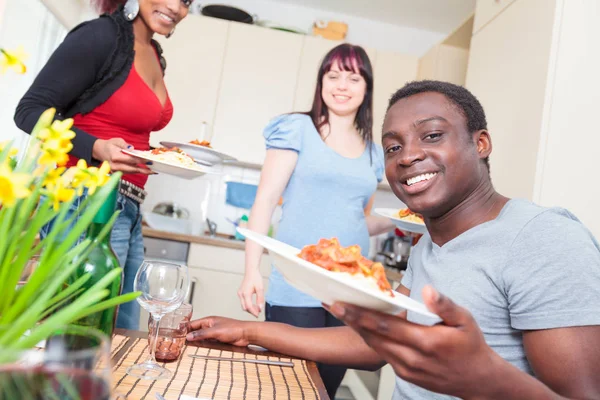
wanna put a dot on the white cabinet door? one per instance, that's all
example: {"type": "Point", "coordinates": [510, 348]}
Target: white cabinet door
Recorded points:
{"type": "Point", "coordinates": [258, 82]}
{"type": "Point", "coordinates": [508, 69]}
{"type": "Point", "coordinates": [194, 56]}
{"type": "Point", "coordinates": [216, 274]}
{"type": "Point", "coordinates": [444, 63]}
{"type": "Point", "coordinates": [486, 10]}
{"type": "Point", "coordinates": [313, 52]}
{"type": "Point", "coordinates": [215, 293]}
{"type": "Point", "coordinates": [392, 71]}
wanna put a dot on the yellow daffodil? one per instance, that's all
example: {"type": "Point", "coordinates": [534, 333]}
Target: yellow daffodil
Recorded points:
{"type": "Point", "coordinates": [90, 177]}
{"type": "Point", "coordinates": [58, 130]}
{"type": "Point", "coordinates": [98, 177]}
{"type": "Point", "coordinates": [14, 60]}
{"type": "Point", "coordinates": [52, 156]}
{"type": "Point", "coordinates": [52, 178]}
{"type": "Point", "coordinates": [13, 186]}
{"type": "Point", "coordinates": [47, 117]}
{"type": "Point", "coordinates": [60, 193]}
{"type": "Point", "coordinates": [56, 142]}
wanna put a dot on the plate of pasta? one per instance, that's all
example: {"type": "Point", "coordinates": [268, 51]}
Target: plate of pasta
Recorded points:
{"type": "Point", "coordinates": [330, 273]}
{"type": "Point", "coordinates": [404, 218]}
{"type": "Point", "coordinates": [171, 161]}
{"type": "Point", "coordinates": [201, 151]}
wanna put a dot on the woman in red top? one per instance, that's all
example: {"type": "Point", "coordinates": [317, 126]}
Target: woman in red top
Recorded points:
{"type": "Point", "coordinates": [108, 76]}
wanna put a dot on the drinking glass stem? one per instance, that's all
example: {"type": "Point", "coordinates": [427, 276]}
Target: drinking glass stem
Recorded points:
{"type": "Point", "coordinates": [152, 358]}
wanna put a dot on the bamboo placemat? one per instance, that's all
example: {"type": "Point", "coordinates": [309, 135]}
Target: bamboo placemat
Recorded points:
{"type": "Point", "coordinates": [216, 380]}
{"type": "Point", "coordinates": [118, 342]}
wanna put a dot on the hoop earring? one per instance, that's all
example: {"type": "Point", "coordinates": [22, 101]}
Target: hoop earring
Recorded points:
{"type": "Point", "coordinates": [131, 9]}
{"type": "Point", "coordinates": [170, 33]}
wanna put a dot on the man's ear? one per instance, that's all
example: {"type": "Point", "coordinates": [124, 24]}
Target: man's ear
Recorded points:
{"type": "Point", "coordinates": [483, 140]}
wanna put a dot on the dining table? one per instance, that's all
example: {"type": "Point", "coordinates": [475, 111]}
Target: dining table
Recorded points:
{"type": "Point", "coordinates": [208, 370]}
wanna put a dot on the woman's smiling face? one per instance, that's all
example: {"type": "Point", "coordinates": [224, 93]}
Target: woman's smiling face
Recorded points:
{"type": "Point", "coordinates": [161, 16]}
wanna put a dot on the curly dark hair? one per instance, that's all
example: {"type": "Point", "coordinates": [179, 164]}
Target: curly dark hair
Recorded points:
{"type": "Point", "coordinates": [464, 101]}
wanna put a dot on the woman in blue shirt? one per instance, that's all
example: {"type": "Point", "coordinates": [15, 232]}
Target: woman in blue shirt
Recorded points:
{"type": "Point", "coordinates": [326, 166]}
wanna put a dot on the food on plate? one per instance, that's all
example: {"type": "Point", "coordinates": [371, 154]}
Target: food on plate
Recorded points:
{"type": "Point", "coordinates": [330, 255]}
{"type": "Point", "coordinates": [172, 155]}
{"type": "Point", "coordinates": [201, 143]}
{"type": "Point", "coordinates": [406, 215]}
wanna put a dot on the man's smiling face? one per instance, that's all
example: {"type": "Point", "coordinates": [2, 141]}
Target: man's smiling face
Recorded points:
{"type": "Point", "coordinates": [432, 161]}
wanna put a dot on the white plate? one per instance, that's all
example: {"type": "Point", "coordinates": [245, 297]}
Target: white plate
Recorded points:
{"type": "Point", "coordinates": [392, 213]}
{"type": "Point", "coordinates": [171, 169]}
{"type": "Point", "coordinates": [201, 153]}
{"type": "Point", "coordinates": [329, 287]}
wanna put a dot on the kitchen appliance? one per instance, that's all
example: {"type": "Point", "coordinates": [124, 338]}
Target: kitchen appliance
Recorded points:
{"type": "Point", "coordinates": [394, 250]}
{"type": "Point", "coordinates": [172, 210]}
{"type": "Point", "coordinates": [169, 217]}
{"type": "Point", "coordinates": [228, 13]}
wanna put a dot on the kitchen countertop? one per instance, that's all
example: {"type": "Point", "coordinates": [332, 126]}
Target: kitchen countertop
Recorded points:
{"type": "Point", "coordinates": [200, 239]}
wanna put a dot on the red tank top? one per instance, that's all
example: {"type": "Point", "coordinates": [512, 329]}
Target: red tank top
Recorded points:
{"type": "Point", "coordinates": [131, 113]}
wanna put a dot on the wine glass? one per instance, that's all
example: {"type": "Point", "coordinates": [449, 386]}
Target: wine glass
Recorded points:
{"type": "Point", "coordinates": [164, 286]}
{"type": "Point", "coordinates": [74, 365]}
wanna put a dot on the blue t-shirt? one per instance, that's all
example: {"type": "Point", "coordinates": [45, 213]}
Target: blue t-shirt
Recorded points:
{"type": "Point", "coordinates": [324, 198]}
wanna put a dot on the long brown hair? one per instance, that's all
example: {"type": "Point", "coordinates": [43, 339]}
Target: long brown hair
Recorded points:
{"type": "Point", "coordinates": [348, 57]}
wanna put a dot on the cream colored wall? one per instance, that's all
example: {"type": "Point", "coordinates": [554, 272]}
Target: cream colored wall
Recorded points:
{"type": "Point", "coordinates": [69, 14]}
{"type": "Point", "coordinates": [570, 145]}
{"type": "Point", "coordinates": [487, 10]}
{"type": "Point", "coordinates": [507, 71]}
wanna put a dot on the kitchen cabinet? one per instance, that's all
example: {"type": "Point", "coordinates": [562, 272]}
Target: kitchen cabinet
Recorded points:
{"type": "Point", "coordinates": [444, 63]}
{"type": "Point", "coordinates": [486, 10]}
{"type": "Point", "coordinates": [258, 82]}
{"type": "Point", "coordinates": [314, 50]}
{"type": "Point", "coordinates": [391, 72]}
{"type": "Point", "coordinates": [216, 274]}
{"type": "Point", "coordinates": [508, 71]}
{"type": "Point", "coordinates": [195, 55]}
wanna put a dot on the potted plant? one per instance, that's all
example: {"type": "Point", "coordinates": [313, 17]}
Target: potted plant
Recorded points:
{"type": "Point", "coordinates": [33, 192]}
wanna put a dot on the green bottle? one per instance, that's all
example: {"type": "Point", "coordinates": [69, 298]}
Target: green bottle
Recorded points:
{"type": "Point", "coordinates": [100, 262]}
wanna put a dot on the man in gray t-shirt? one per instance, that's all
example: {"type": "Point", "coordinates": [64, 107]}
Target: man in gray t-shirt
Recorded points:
{"type": "Point", "coordinates": [530, 268]}
{"type": "Point", "coordinates": [517, 286]}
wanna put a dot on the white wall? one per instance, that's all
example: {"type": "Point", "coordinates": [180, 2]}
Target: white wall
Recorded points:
{"type": "Point", "coordinates": [24, 23]}
{"type": "Point", "coordinates": [570, 142]}
{"type": "Point", "coordinates": [361, 31]}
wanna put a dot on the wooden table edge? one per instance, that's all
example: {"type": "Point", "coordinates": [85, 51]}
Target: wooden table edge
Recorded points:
{"type": "Point", "coordinates": [312, 366]}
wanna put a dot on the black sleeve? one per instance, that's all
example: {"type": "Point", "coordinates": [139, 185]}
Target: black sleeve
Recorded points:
{"type": "Point", "coordinates": [72, 68]}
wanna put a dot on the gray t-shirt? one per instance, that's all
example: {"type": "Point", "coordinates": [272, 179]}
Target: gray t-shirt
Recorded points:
{"type": "Point", "coordinates": [530, 268]}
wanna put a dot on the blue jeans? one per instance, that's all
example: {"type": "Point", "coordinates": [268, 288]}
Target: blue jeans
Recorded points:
{"type": "Point", "coordinates": [127, 242]}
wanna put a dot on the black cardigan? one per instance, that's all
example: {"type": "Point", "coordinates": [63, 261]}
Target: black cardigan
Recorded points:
{"type": "Point", "coordinates": [86, 69]}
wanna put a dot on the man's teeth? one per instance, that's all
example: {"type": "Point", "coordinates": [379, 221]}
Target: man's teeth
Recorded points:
{"type": "Point", "coordinates": [165, 17]}
{"type": "Point", "coordinates": [419, 178]}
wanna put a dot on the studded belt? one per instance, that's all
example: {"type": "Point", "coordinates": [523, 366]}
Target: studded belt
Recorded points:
{"type": "Point", "coordinates": [132, 191]}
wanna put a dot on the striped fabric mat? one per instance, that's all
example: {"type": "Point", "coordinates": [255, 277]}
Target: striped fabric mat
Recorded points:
{"type": "Point", "coordinates": [209, 379]}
